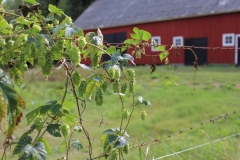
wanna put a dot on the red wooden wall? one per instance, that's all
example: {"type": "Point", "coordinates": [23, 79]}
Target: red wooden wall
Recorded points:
{"type": "Point", "coordinates": [211, 27]}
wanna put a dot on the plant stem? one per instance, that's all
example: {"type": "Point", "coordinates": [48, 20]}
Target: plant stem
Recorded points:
{"type": "Point", "coordinates": [68, 145]}
{"type": "Point", "coordinates": [65, 91]}
{"type": "Point", "coordinates": [122, 114]}
{"type": "Point", "coordinates": [10, 14]}
{"type": "Point", "coordinates": [13, 49]}
{"type": "Point", "coordinates": [98, 48]}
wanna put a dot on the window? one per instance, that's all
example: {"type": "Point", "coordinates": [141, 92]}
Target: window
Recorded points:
{"type": "Point", "coordinates": [228, 39]}
{"type": "Point", "coordinates": [178, 41]}
{"type": "Point", "coordinates": [157, 39]}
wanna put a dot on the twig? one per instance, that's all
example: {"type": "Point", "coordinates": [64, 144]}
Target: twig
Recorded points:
{"type": "Point", "coordinates": [29, 82]}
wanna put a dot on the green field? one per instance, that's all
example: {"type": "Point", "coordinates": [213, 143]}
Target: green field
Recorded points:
{"type": "Point", "coordinates": [179, 101]}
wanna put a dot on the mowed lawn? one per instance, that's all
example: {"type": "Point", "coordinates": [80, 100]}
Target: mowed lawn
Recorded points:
{"type": "Point", "coordinates": [179, 100]}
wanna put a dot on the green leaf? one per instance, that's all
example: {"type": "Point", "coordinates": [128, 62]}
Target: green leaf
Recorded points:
{"type": "Point", "coordinates": [38, 151]}
{"type": "Point", "coordinates": [112, 131]}
{"type": "Point", "coordinates": [79, 33]}
{"type": "Point", "coordinates": [160, 48]}
{"type": "Point", "coordinates": [127, 42]}
{"type": "Point", "coordinates": [76, 144]}
{"type": "Point", "coordinates": [63, 146]}
{"type": "Point", "coordinates": [47, 107]}
{"type": "Point", "coordinates": [163, 55]}
{"type": "Point", "coordinates": [134, 36]}
{"type": "Point", "coordinates": [95, 40]}
{"type": "Point", "coordinates": [10, 107]}
{"type": "Point", "coordinates": [146, 36]}
{"type": "Point", "coordinates": [23, 141]}
{"type": "Point", "coordinates": [47, 147]}
{"type": "Point", "coordinates": [128, 57]}
{"type": "Point", "coordinates": [70, 118]}
{"type": "Point", "coordinates": [3, 23]}
{"type": "Point", "coordinates": [91, 86]}
{"type": "Point", "coordinates": [54, 9]}
{"type": "Point", "coordinates": [54, 130]}
{"type": "Point", "coordinates": [112, 138]}
{"type": "Point", "coordinates": [31, 115]}
{"type": "Point", "coordinates": [140, 34]}
{"type": "Point", "coordinates": [111, 49]}
{"type": "Point", "coordinates": [55, 109]}
{"type": "Point", "coordinates": [70, 31]}
{"type": "Point", "coordinates": [31, 1]}
{"type": "Point", "coordinates": [122, 141]}
{"type": "Point", "coordinates": [22, 20]}
{"type": "Point", "coordinates": [116, 57]}
{"type": "Point", "coordinates": [39, 42]}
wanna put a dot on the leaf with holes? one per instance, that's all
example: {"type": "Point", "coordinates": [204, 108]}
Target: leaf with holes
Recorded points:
{"type": "Point", "coordinates": [76, 144]}
{"type": "Point", "coordinates": [54, 130]}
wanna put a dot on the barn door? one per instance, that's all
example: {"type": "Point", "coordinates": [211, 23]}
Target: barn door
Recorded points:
{"type": "Point", "coordinates": [201, 53]}
{"type": "Point", "coordinates": [113, 38]}
{"type": "Point", "coordinates": [237, 53]}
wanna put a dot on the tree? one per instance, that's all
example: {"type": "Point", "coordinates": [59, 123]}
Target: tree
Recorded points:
{"type": "Point", "coordinates": [72, 8]}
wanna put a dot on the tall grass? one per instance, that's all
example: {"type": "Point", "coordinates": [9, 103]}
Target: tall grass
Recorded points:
{"type": "Point", "coordinates": [179, 101]}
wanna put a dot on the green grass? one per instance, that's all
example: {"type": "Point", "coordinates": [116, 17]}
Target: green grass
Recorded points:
{"type": "Point", "coordinates": [179, 101]}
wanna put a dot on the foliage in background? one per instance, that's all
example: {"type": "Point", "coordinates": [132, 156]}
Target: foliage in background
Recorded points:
{"type": "Point", "coordinates": [72, 8]}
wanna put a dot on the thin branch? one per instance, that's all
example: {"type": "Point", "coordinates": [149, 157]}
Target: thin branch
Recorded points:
{"type": "Point", "coordinates": [98, 48]}
{"type": "Point", "coordinates": [30, 81]}
{"type": "Point", "coordinates": [13, 49]}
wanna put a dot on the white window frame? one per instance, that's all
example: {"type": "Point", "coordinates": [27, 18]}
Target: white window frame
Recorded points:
{"type": "Point", "coordinates": [178, 38]}
{"type": "Point", "coordinates": [158, 38]}
{"type": "Point", "coordinates": [224, 38]}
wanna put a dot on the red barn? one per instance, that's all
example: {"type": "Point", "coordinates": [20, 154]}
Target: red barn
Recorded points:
{"type": "Point", "coordinates": [209, 23]}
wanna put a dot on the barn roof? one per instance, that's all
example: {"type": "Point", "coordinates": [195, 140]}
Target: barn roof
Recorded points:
{"type": "Point", "coordinates": [113, 13]}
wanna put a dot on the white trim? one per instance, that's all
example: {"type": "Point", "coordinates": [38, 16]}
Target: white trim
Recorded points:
{"type": "Point", "coordinates": [236, 49]}
{"type": "Point", "coordinates": [158, 40]}
{"type": "Point", "coordinates": [178, 38]}
{"type": "Point", "coordinates": [224, 39]}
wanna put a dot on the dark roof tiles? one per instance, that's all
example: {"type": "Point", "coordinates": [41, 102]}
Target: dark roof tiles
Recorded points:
{"type": "Point", "coordinates": [113, 13]}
